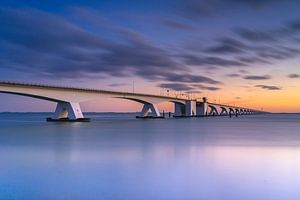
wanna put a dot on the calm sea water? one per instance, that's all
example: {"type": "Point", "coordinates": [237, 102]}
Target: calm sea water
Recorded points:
{"type": "Point", "coordinates": [119, 157]}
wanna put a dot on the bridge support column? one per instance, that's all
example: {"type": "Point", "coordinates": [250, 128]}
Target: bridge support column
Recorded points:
{"type": "Point", "coordinates": [202, 108]}
{"type": "Point", "coordinates": [213, 111]}
{"type": "Point", "coordinates": [179, 109]}
{"type": "Point", "coordinates": [241, 111]}
{"type": "Point", "coordinates": [223, 111]}
{"type": "Point", "coordinates": [68, 111]}
{"type": "Point", "coordinates": [237, 112]}
{"type": "Point", "coordinates": [149, 111]}
{"type": "Point", "coordinates": [190, 108]}
{"type": "Point", "coordinates": [231, 112]}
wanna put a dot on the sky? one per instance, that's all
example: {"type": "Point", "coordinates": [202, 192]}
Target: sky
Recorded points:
{"type": "Point", "coordinates": [237, 52]}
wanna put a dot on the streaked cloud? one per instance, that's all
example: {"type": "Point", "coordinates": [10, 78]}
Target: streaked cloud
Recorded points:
{"type": "Point", "coordinates": [293, 76]}
{"type": "Point", "coordinates": [204, 87]}
{"type": "Point", "coordinates": [233, 75]}
{"type": "Point", "coordinates": [194, 88]}
{"type": "Point", "coordinates": [195, 9]}
{"type": "Point", "coordinates": [117, 84]}
{"type": "Point", "coordinates": [268, 87]}
{"type": "Point", "coordinates": [227, 45]}
{"type": "Point", "coordinates": [176, 86]}
{"type": "Point", "coordinates": [177, 25]}
{"type": "Point", "coordinates": [188, 78]}
{"type": "Point", "coordinates": [257, 77]}
{"type": "Point", "coordinates": [255, 35]}
{"type": "Point", "coordinates": [210, 61]}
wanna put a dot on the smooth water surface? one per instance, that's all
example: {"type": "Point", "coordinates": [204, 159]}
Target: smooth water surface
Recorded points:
{"type": "Point", "coordinates": [119, 157]}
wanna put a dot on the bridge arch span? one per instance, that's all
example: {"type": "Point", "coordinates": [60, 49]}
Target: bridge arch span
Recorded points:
{"type": "Point", "coordinates": [32, 96]}
{"type": "Point", "coordinates": [150, 104]}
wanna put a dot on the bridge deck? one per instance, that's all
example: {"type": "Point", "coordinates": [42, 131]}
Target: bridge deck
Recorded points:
{"type": "Point", "coordinates": [79, 89]}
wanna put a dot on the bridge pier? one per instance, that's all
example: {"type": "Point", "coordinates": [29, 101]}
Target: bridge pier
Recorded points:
{"type": "Point", "coordinates": [231, 112]}
{"type": "Point", "coordinates": [68, 111]}
{"type": "Point", "coordinates": [241, 111]}
{"type": "Point", "coordinates": [223, 111]}
{"type": "Point", "coordinates": [237, 112]}
{"type": "Point", "coordinates": [202, 108]}
{"type": "Point", "coordinates": [179, 109]}
{"type": "Point", "coordinates": [213, 111]}
{"type": "Point", "coordinates": [190, 108]}
{"type": "Point", "coordinates": [150, 111]}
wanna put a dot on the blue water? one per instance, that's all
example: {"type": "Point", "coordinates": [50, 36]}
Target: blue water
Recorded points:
{"type": "Point", "coordinates": [119, 157]}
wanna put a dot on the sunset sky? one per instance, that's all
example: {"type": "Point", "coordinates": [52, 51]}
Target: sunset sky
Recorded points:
{"type": "Point", "coordinates": [239, 52]}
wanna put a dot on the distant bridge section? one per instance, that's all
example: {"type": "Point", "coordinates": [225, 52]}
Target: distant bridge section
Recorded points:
{"type": "Point", "coordinates": [68, 101]}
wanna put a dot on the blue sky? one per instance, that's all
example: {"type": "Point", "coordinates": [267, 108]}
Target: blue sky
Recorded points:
{"type": "Point", "coordinates": [221, 49]}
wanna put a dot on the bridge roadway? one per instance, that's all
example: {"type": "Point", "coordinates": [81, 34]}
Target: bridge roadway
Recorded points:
{"type": "Point", "coordinates": [68, 101]}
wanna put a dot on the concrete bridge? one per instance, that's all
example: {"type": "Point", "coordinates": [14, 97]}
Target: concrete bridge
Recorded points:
{"type": "Point", "coordinates": [68, 101]}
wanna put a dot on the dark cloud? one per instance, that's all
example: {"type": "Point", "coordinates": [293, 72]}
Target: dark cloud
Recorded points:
{"type": "Point", "coordinates": [117, 84]}
{"type": "Point", "coordinates": [203, 87]}
{"type": "Point", "coordinates": [239, 74]}
{"type": "Point", "coordinates": [210, 61]}
{"type": "Point", "coordinates": [61, 49]}
{"type": "Point", "coordinates": [242, 71]}
{"type": "Point", "coordinates": [227, 45]}
{"type": "Point", "coordinates": [251, 53]}
{"type": "Point", "coordinates": [177, 25]}
{"type": "Point", "coordinates": [193, 92]}
{"type": "Point", "coordinates": [46, 44]}
{"type": "Point", "coordinates": [233, 75]}
{"type": "Point", "coordinates": [268, 87]}
{"type": "Point", "coordinates": [224, 49]}
{"type": "Point", "coordinates": [253, 59]}
{"type": "Point", "coordinates": [171, 76]}
{"type": "Point", "coordinates": [255, 53]}
{"type": "Point", "coordinates": [251, 47]}
{"type": "Point", "coordinates": [176, 86]}
{"type": "Point", "coordinates": [254, 77]}
{"type": "Point", "coordinates": [293, 76]}
{"type": "Point", "coordinates": [293, 26]}
{"type": "Point", "coordinates": [255, 35]}
{"type": "Point", "coordinates": [297, 40]}
{"type": "Point", "coordinates": [258, 3]}
{"type": "Point", "coordinates": [195, 9]}
{"type": "Point", "coordinates": [271, 36]}
{"type": "Point", "coordinates": [188, 78]}
{"type": "Point", "coordinates": [188, 87]}
{"type": "Point", "coordinates": [277, 53]}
